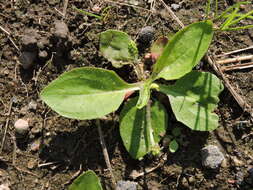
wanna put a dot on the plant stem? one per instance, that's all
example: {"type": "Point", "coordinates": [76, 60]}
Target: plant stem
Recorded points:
{"type": "Point", "coordinates": [105, 152]}
{"type": "Point", "coordinates": [208, 7]}
{"type": "Point", "coordinates": [149, 125]}
{"type": "Point", "coordinates": [139, 71]}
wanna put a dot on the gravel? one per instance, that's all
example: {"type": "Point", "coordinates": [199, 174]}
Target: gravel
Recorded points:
{"type": "Point", "coordinates": [126, 185]}
{"type": "Point", "coordinates": [212, 157]}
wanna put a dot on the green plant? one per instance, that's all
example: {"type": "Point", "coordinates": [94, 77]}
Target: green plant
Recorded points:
{"type": "Point", "coordinates": [89, 93]}
{"type": "Point", "coordinates": [86, 181]}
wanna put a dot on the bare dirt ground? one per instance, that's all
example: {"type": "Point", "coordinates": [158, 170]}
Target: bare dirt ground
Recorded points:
{"type": "Point", "coordinates": [56, 149]}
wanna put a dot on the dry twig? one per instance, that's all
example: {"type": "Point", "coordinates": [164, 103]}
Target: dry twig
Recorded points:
{"type": "Point", "coordinates": [238, 67]}
{"type": "Point", "coordinates": [235, 59]}
{"type": "Point", "coordinates": [6, 125]}
{"type": "Point", "coordinates": [173, 15]}
{"type": "Point", "coordinates": [9, 37]}
{"type": "Point", "coordinates": [233, 52]}
{"type": "Point", "coordinates": [134, 175]}
{"type": "Point", "coordinates": [105, 152]}
{"type": "Point", "coordinates": [245, 107]}
{"type": "Point", "coordinates": [65, 6]}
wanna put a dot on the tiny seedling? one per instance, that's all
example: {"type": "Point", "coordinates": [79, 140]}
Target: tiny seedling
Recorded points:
{"type": "Point", "coordinates": [90, 93]}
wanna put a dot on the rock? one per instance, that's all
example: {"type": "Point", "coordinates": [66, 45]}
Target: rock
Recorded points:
{"type": "Point", "coordinates": [61, 30]}
{"type": "Point", "coordinates": [191, 179]}
{"type": "Point", "coordinates": [43, 54]}
{"type": "Point", "coordinates": [236, 161]}
{"type": "Point", "coordinates": [32, 105]}
{"type": "Point", "coordinates": [27, 59]}
{"type": "Point", "coordinates": [146, 35]}
{"type": "Point", "coordinates": [126, 185]}
{"type": "Point", "coordinates": [184, 182]}
{"type": "Point", "coordinates": [31, 164]}
{"type": "Point", "coordinates": [35, 145]}
{"type": "Point", "coordinates": [212, 157]}
{"type": "Point", "coordinates": [4, 187]}
{"type": "Point", "coordinates": [21, 127]}
{"type": "Point", "coordinates": [224, 163]}
{"type": "Point", "coordinates": [175, 7]}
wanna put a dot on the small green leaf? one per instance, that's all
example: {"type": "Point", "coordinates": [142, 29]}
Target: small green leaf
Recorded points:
{"type": "Point", "coordinates": [193, 99]}
{"type": "Point", "coordinates": [86, 181]}
{"type": "Point", "coordinates": [158, 46]}
{"type": "Point", "coordinates": [86, 93]}
{"type": "Point", "coordinates": [136, 129]}
{"type": "Point", "coordinates": [173, 146]}
{"type": "Point", "coordinates": [184, 51]}
{"type": "Point", "coordinates": [117, 47]}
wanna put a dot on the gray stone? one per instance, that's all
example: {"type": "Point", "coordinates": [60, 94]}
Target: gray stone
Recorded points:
{"type": "Point", "coordinates": [32, 105]}
{"type": "Point", "coordinates": [212, 157]}
{"type": "Point", "coordinates": [126, 185]}
{"type": "Point", "coordinates": [175, 7]}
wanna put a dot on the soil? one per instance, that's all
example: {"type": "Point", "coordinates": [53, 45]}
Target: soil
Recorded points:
{"type": "Point", "coordinates": [57, 149]}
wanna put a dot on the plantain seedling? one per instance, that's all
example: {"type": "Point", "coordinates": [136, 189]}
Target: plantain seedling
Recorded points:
{"type": "Point", "coordinates": [90, 93]}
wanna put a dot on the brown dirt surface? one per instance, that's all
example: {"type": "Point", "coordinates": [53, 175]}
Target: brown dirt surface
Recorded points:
{"type": "Point", "coordinates": [53, 151]}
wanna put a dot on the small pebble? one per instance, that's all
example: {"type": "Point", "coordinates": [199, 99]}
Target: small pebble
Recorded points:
{"type": "Point", "coordinates": [191, 179]}
{"type": "Point", "coordinates": [126, 185]}
{"type": "Point", "coordinates": [35, 145]}
{"type": "Point", "coordinates": [236, 161]}
{"type": "Point", "coordinates": [43, 54]}
{"type": "Point", "coordinates": [212, 157]}
{"type": "Point", "coordinates": [175, 7]}
{"type": "Point", "coordinates": [146, 35]}
{"type": "Point", "coordinates": [185, 182]}
{"type": "Point", "coordinates": [4, 187]}
{"type": "Point", "coordinates": [21, 126]}
{"type": "Point", "coordinates": [61, 30]}
{"type": "Point", "coordinates": [31, 164]}
{"type": "Point", "coordinates": [224, 163]}
{"type": "Point", "coordinates": [32, 105]}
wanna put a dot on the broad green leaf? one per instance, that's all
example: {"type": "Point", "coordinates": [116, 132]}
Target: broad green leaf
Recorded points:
{"type": "Point", "coordinates": [184, 51]}
{"type": "Point", "coordinates": [117, 47]}
{"type": "Point", "coordinates": [158, 47]}
{"type": "Point", "coordinates": [193, 99]}
{"type": "Point", "coordinates": [86, 181]}
{"type": "Point", "coordinates": [173, 146]}
{"type": "Point", "coordinates": [140, 133]}
{"type": "Point", "coordinates": [86, 93]}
